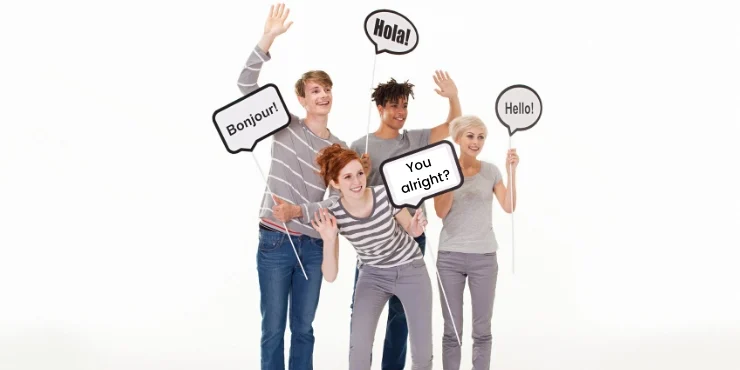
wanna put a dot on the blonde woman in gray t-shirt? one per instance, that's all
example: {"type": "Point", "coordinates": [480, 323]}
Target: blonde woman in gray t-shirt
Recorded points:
{"type": "Point", "coordinates": [467, 242]}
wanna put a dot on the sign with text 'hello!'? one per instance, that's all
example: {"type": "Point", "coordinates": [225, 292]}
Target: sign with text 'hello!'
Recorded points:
{"type": "Point", "coordinates": [518, 108]}
{"type": "Point", "coordinates": [421, 174]}
{"type": "Point", "coordinates": [251, 118]}
{"type": "Point", "coordinates": [391, 32]}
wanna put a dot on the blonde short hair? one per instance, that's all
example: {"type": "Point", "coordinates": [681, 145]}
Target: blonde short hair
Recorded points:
{"type": "Point", "coordinates": [320, 77]}
{"type": "Point", "coordinates": [462, 123]}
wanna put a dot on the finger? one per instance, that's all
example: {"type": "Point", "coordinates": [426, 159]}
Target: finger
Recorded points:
{"type": "Point", "coordinates": [314, 225]}
{"type": "Point", "coordinates": [285, 15]}
{"type": "Point", "coordinates": [438, 91]}
{"type": "Point", "coordinates": [272, 11]}
{"type": "Point", "coordinates": [447, 75]}
{"type": "Point", "coordinates": [436, 79]}
{"type": "Point", "coordinates": [280, 10]}
{"type": "Point", "coordinates": [287, 25]}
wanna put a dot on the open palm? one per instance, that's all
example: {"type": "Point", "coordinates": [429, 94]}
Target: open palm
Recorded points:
{"type": "Point", "coordinates": [275, 23]}
{"type": "Point", "coordinates": [447, 87]}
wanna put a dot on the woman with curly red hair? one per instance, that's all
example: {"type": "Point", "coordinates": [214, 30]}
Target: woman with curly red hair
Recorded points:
{"type": "Point", "coordinates": [389, 259]}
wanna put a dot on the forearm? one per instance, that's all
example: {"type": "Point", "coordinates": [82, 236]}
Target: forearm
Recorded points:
{"type": "Point", "coordinates": [455, 108]}
{"type": "Point", "coordinates": [510, 200]}
{"type": "Point", "coordinates": [266, 42]}
{"type": "Point", "coordinates": [306, 211]}
{"type": "Point", "coordinates": [249, 75]}
{"type": "Point", "coordinates": [330, 263]}
{"type": "Point", "coordinates": [443, 204]}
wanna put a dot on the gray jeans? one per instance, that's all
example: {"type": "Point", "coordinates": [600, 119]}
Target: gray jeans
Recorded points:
{"type": "Point", "coordinates": [375, 286]}
{"type": "Point", "coordinates": [481, 271]}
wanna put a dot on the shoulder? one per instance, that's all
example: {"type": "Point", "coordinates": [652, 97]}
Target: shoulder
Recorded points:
{"type": "Point", "coordinates": [358, 144]}
{"type": "Point", "coordinates": [491, 170]}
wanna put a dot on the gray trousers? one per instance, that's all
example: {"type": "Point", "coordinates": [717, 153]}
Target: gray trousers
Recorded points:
{"type": "Point", "coordinates": [375, 286]}
{"type": "Point", "coordinates": [481, 271]}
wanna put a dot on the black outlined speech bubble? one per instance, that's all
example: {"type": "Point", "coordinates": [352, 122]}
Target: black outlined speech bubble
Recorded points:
{"type": "Point", "coordinates": [251, 118]}
{"type": "Point", "coordinates": [421, 174]}
{"type": "Point", "coordinates": [518, 108]}
{"type": "Point", "coordinates": [391, 32]}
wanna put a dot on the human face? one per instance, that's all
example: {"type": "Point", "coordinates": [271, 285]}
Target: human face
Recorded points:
{"type": "Point", "coordinates": [471, 141]}
{"type": "Point", "coordinates": [318, 99]}
{"type": "Point", "coordinates": [352, 180]}
{"type": "Point", "coordinates": [394, 113]}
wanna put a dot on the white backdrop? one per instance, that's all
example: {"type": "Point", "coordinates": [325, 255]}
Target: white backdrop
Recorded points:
{"type": "Point", "coordinates": [129, 233]}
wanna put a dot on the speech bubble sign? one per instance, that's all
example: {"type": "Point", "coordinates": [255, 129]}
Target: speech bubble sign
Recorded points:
{"type": "Point", "coordinates": [391, 32]}
{"type": "Point", "coordinates": [421, 174]}
{"type": "Point", "coordinates": [248, 120]}
{"type": "Point", "coordinates": [518, 108]}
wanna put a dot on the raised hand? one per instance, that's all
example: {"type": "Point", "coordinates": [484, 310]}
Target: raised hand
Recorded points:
{"type": "Point", "coordinates": [325, 223]}
{"type": "Point", "coordinates": [418, 223]}
{"type": "Point", "coordinates": [447, 87]}
{"type": "Point", "coordinates": [275, 24]}
{"type": "Point", "coordinates": [512, 160]}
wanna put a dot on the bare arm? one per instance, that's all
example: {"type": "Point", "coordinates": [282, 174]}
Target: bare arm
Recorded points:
{"type": "Point", "coordinates": [506, 198]}
{"type": "Point", "coordinates": [326, 224]}
{"type": "Point", "coordinates": [330, 263]}
{"type": "Point", "coordinates": [443, 204]}
{"type": "Point", "coordinates": [414, 226]}
{"type": "Point", "coordinates": [446, 89]}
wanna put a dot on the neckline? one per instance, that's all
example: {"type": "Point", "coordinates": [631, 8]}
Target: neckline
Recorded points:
{"type": "Point", "coordinates": [372, 210]}
{"type": "Point", "coordinates": [305, 127]}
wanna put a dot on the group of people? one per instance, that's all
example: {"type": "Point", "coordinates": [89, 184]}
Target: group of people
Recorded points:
{"type": "Point", "coordinates": [307, 160]}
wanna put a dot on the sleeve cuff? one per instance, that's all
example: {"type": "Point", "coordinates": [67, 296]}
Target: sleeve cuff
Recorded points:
{"type": "Point", "coordinates": [265, 56]}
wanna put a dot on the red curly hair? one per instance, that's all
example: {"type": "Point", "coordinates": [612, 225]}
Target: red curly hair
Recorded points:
{"type": "Point", "coordinates": [333, 158]}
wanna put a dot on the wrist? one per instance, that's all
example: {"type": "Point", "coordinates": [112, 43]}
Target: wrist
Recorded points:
{"type": "Point", "coordinates": [297, 211]}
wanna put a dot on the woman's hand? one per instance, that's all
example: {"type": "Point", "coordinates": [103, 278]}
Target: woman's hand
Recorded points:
{"type": "Point", "coordinates": [418, 223]}
{"type": "Point", "coordinates": [512, 160]}
{"type": "Point", "coordinates": [325, 223]}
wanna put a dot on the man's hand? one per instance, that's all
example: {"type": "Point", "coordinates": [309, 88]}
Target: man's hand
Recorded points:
{"type": "Point", "coordinates": [447, 87]}
{"type": "Point", "coordinates": [275, 24]}
{"type": "Point", "coordinates": [284, 211]}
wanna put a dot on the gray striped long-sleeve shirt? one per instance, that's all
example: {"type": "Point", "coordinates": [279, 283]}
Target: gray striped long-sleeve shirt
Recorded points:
{"type": "Point", "coordinates": [293, 175]}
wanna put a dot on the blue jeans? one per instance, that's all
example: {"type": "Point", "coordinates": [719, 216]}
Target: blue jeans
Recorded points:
{"type": "Point", "coordinates": [396, 331]}
{"type": "Point", "coordinates": [281, 283]}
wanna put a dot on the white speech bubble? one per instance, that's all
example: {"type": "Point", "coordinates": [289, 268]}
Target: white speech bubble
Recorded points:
{"type": "Point", "coordinates": [421, 174]}
{"type": "Point", "coordinates": [251, 118]}
{"type": "Point", "coordinates": [518, 108]}
{"type": "Point", "coordinates": [391, 32]}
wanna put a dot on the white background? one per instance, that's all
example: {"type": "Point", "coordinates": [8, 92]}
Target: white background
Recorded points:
{"type": "Point", "coordinates": [129, 233]}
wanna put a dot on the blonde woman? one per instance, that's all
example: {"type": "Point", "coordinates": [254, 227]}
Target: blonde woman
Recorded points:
{"type": "Point", "coordinates": [467, 242]}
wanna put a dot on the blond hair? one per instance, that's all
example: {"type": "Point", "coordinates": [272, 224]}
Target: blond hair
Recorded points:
{"type": "Point", "coordinates": [320, 77]}
{"type": "Point", "coordinates": [462, 123]}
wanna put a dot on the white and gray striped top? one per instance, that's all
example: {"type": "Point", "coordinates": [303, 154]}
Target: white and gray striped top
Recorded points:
{"type": "Point", "coordinates": [293, 175]}
{"type": "Point", "coordinates": [379, 240]}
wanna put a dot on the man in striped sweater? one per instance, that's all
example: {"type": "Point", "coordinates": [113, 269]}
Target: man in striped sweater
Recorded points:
{"type": "Point", "coordinates": [293, 193]}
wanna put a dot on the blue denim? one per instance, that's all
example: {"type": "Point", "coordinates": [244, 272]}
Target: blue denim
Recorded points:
{"type": "Point", "coordinates": [396, 331]}
{"type": "Point", "coordinates": [281, 283]}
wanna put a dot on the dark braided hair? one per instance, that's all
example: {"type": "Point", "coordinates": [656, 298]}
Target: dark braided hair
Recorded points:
{"type": "Point", "coordinates": [391, 91]}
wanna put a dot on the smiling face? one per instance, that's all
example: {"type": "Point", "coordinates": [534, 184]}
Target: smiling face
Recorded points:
{"type": "Point", "coordinates": [352, 180]}
{"type": "Point", "coordinates": [471, 140]}
{"type": "Point", "coordinates": [394, 113]}
{"type": "Point", "coordinates": [317, 99]}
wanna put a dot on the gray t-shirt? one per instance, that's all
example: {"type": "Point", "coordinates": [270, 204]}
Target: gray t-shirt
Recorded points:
{"type": "Point", "coordinates": [468, 226]}
{"type": "Point", "coordinates": [381, 149]}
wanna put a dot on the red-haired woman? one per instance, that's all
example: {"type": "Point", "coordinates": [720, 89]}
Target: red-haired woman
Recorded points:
{"type": "Point", "coordinates": [390, 261]}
